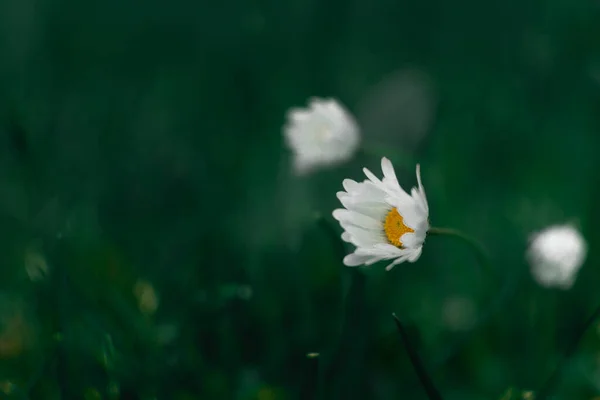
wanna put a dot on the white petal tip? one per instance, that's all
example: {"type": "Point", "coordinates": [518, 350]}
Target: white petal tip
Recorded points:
{"type": "Point", "coordinates": [351, 261]}
{"type": "Point", "coordinates": [336, 213]}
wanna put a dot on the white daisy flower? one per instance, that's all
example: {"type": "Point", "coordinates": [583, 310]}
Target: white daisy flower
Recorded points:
{"type": "Point", "coordinates": [382, 220]}
{"type": "Point", "coordinates": [323, 134]}
{"type": "Point", "coordinates": [556, 254]}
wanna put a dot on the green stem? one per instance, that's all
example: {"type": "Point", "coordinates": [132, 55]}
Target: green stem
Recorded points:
{"type": "Point", "coordinates": [351, 350]}
{"type": "Point", "coordinates": [497, 299]}
{"type": "Point", "coordinates": [482, 256]}
{"type": "Point", "coordinates": [427, 383]}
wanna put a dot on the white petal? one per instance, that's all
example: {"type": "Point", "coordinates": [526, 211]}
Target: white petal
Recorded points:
{"type": "Point", "coordinates": [422, 189]}
{"type": "Point", "coordinates": [372, 177]}
{"type": "Point", "coordinates": [354, 260]}
{"type": "Point", "coordinates": [415, 254]}
{"type": "Point", "coordinates": [350, 185]}
{"type": "Point", "coordinates": [357, 219]}
{"type": "Point", "coordinates": [388, 170]}
{"type": "Point", "coordinates": [396, 262]}
{"type": "Point", "coordinates": [389, 249]}
{"type": "Point", "coordinates": [420, 232]}
{"type": "Point", "coordinates": [419, 201]}
{"type": "Point", "coordinates": [409, 240]}
{"type": "Point", "coordinates": [373, 260]}
{"type": "Point", "coordinates": [374, 210]}
{"type": "Point", "coordinates": [408, 211]}
{"type": "Point", "coordinates": [390, 182]}
{"type": "Point", "coordinates": [363, 237]}
{"type": "Point", "coordinates": [370, 191]}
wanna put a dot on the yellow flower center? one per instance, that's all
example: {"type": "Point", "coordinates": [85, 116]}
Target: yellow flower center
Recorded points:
{"type": "Point", "coordinates": [394, 227]}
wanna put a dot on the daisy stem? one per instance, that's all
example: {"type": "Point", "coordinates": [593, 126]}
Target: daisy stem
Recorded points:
{"type": "Point", "coordinates": [415, 360]}
{"type": "Point", "coordinates": [482, 256]}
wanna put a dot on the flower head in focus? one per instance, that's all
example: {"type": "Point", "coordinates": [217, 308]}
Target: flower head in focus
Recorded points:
{"type": "Point", "coordinates": [322, 134]}
{"type": "Point", "coordinates": [555, 255]}
{"type": "Point", "coordinates": [382, 220]}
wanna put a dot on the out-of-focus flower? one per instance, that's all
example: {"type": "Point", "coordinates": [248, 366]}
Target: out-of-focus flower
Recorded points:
{"type": "Point", "coordinates": [146, 297]}
{"type": "Point", "coordinates": [322, 134]}
{"type": "Point", "coordinates": [399, 110]}
{"type": "Point", "coordinates": [35, 265]}
{"type": "Point", "coordinates": [382, 220]}
{"type": "Point", "coordinates": [556, 254]}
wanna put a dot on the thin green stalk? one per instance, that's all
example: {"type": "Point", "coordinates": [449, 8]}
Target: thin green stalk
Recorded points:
{"type": "Point", "coordinates": [427, 383]}
{"type": "Point", "coordinates": [509, 287]}
{"type": "Point", "coordinates": [348, 357]}
{"type": "Point", "coordinates": [62, 357]}
{"type": "Point", "coordinates": [310, 388]}
{"type": "Point", "coordinates": [482, 256]}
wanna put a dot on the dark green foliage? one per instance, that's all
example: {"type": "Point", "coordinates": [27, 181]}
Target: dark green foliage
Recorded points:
{"type": "Point", "coordinates": [143, 175]}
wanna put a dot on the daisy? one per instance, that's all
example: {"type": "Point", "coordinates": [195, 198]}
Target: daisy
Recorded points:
{"type": "Point", "coordinates": [322, 134]}
{"type": "Point", "coordinates": [382, 220]}
{"type": "Point", "coordinates": [556, 254]}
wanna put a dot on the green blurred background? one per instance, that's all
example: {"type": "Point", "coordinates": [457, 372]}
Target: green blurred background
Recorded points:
{"type": "Point", "coordinates": [155, 243]}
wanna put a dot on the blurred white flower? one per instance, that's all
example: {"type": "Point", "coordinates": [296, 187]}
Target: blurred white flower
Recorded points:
{"type": "Point", "coordinates": [382, 220]}
{"type": "Point", "coordinates": [323, 134]}
{"type": "Point", "coordinates": [399, 110]}
{"type": "Point", "coordinates": [556, 254]}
